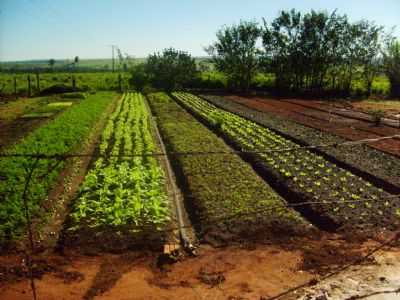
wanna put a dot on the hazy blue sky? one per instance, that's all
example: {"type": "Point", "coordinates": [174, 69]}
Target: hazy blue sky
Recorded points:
{"type": "Point", "coordinates": [37, 29]}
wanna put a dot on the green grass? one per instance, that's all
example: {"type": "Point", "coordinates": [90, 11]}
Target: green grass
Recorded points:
{"type": "Point", "coordinates": [380, 86]}
{"type": "Point", "coordinates": [99, 81]}
{"type": "Point", "coordinates": [60, 104]}
{"type": "Point", "coordinates": [16, 108]}
{"type": "Point", "coordinates": [38, 115]}
{"type": "Point", "coordinates": [48, 110]}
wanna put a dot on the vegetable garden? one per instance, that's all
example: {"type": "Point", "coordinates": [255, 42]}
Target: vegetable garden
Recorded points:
{"type": "Point", "coordinates": [242, 178]}
{"type": "Point", "coordinates": [348, 200]}
{"type": "Point", "coordinates": [276, 155]}
{"type": "Point", "coordinates": [223, 193]}
{"type": "Point", "coordinates": [63, 135]}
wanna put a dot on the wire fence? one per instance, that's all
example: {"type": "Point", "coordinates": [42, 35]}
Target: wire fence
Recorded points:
{"type": "Point", "coordinates": [218, 219]}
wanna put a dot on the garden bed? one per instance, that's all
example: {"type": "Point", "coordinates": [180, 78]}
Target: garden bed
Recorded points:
{"type": "Point", "coordinates": [384, 167]}
{"type": "Point", "coordinates": [337, 195]}
{"type": "Point", "coordinates": [58, 137]}
{"type": "Point", "coordinates": [225, 197]}
{"type": "Point", "coordinates": [123, 200]}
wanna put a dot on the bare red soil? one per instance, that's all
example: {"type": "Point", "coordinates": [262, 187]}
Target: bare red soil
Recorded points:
{"type": "Point", "coordinates": [243, 271]}
{"type": "Point", "coordinates": [317, 114]}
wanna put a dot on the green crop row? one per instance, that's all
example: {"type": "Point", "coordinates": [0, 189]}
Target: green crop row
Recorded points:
{"type": "Point", "coordinates": [60, 136]}
{"type": "Point", "coordinates": [225, 192]}
{"type": "Point", "coordinates": [383, 166]}
{"type": "Point", "coordinates": [121, 191]}
{"type": "Point", "coordinates": [302, 171]}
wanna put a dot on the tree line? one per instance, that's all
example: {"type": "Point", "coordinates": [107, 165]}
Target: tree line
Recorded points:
{"type": "Point", "coordinates": [313, 53]}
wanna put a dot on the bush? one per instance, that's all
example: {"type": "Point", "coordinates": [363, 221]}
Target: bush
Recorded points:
{"type": "Point", "coordinates": [74, 96]}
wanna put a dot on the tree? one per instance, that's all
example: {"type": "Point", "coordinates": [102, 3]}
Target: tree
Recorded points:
{"type": "Point", "coordinates": [370, 49]}
{"type": "Point", "coordinates": [235, 53]}
{"type": "Point", "coordinates": [139, 78]}
{"type": "Point", "coordinates": [52, 62]}
{"type": "Point", "coordinates": [302, 50]}
{"type": "Point", "coordinates": [170, 70]}
{"type": "Point", "coordinates": [76, 61]}
{"type": "Point", "coordinates": [281, 44]}
{"type": "Point", "coordinates": [204, 66]}
{"type": "Point", "coordinates": [318, 51]}
{"type": "Point", "coordinates": [391, 64]}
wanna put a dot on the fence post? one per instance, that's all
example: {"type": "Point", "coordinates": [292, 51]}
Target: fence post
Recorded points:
{"type": "Point", "coordinates": [37, 82]}
{"type": "Point", "coordinates": [29, 86]}
{"type": "Point", "coordinates": [15, 87]}
{"type": "Point", "coordinates": [73, 82]}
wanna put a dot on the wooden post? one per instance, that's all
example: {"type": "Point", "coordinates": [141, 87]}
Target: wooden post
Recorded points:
{"type": "Point", "coordinates": [15, 87]}
{"type": "Point", "coordinates": [73, 83]}
{"type": "Point", "coordinates": [120, 82]}
{"type": "Point", "coordinates": [29, 86]}
{"type": "Point", "coordinates": [37, 82]}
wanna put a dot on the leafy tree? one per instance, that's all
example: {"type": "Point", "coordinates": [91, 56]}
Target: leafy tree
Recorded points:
{"type": "Point", "coordinates": [370, 48]}
{"type": "Point", "coordinates": [235, 53]}
{"type": "Point", "coordinates": [139, 78]}
{"type": "Point", "coordinates": [52, 62]}
{"type": "Point", "coordinates": [301, 50]}
{"type": "Point", "coordinates": [204, 66]}
{"type": "Point", "coordinates": [281, 44]}
{"type": "Point", "coordinates": [170, 70]}
{"type": "Point", "coordinates": [391, 62]}
{"type": "Point", "coordinates": [318, 51]}
{"type": "Point", "coordinates": [76, 61]}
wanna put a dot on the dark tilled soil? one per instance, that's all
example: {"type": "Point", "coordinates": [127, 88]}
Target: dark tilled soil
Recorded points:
{"type": "Point", "coordinates": [12, 131]}
{"type": "Point", "coordinates": [318, 117]}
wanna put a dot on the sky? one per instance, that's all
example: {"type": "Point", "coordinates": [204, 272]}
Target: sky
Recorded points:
{"type": "Point", "coordinates": [43, 29]}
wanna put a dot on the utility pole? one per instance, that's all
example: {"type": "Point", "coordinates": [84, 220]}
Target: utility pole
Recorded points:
{"type": "Point", "coordinates": [113, 56]}
{"type": "Point", "coordinates": [113, 59]}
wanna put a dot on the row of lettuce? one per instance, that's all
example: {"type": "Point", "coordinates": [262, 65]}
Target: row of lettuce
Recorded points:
{"type": "Point", "coordinates": [224, 195]}
{"type": "Point", "coordinates": [125, 190]}
{"type": "Point", "coordinates": [62, 135]}
{"type": "Point", "coordinates": [384, 167]}
{"type": "Point", "coordinates": [337, 194]}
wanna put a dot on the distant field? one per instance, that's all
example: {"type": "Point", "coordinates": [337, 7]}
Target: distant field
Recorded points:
{"type": "Point", "coordinates": [88, 63]}
{"type": "Point", "coordinates": [100, 81]}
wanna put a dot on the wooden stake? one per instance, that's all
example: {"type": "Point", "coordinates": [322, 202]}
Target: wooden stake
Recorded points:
{"type": "Point", "coordinates": [29, 86]}
{"type": "Point", "coordinates": [15, 87]}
